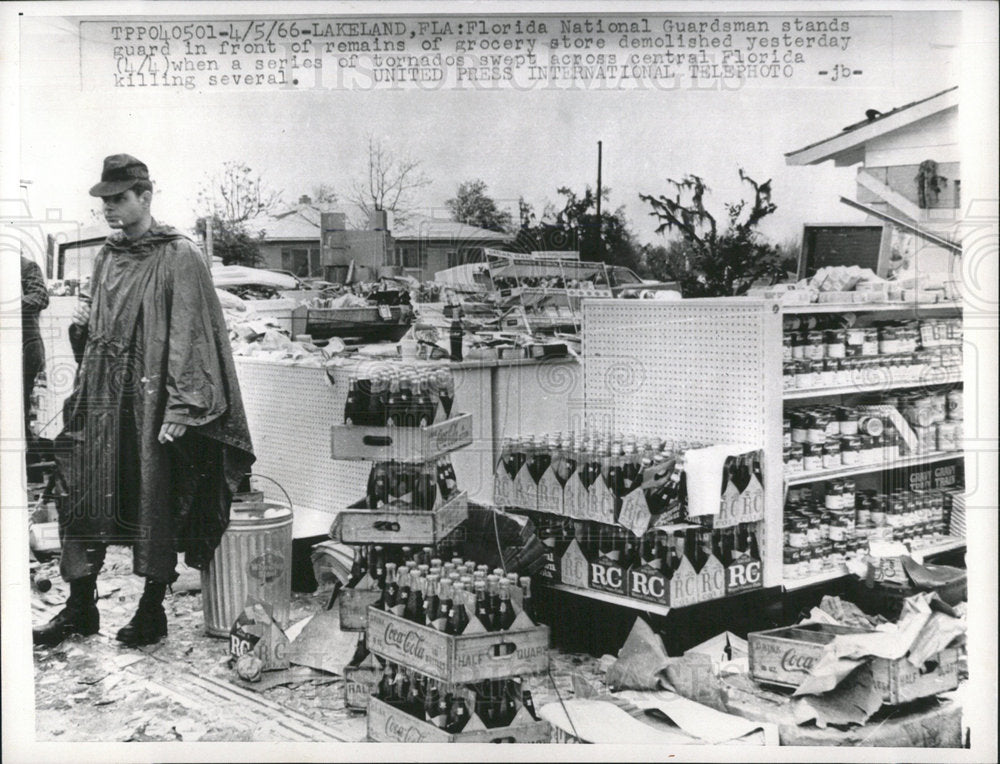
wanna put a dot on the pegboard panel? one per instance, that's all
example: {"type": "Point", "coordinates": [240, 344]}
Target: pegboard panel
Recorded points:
{"type": "Point", "coordinates": [689, 370]}
{"type": "Point", "coordinates": [290, 410]}
{"type": "Point", "coordinates": [694, 370]}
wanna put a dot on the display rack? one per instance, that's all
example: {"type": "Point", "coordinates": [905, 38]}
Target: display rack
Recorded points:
{"type": "Point", "coordinates": [710, 370]}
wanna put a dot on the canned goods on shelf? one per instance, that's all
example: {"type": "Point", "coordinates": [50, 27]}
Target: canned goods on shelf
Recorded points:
{"type": "Point", "coordinates": [949, 436]}
{"type": "Point", "coordinates": [953, 409]}
{"type": "Point", "coordinates": [872, 425]}
{"type": "Point", "coordinates": [888, 340]}
{"type": "Point", "coordinates": [813, 349]}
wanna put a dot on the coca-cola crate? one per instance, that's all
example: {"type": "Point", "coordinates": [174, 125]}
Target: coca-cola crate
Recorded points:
{"type": "Point", "coordinates": [462, 658]}
{"type": "Point", "coordinates": [354, 607]}
{"type": "Point", "coordinates": [388, 724]}
{"type": "Point", "coordinates": [359, 686]}
{"type": "Point", "coordinates": [402, 444]}
{"type": "Point", "coordinates": [785, 657]}
{"type": "Point", "coordinates": [389, 525]}
{"type": "Point", "coordinates": [901, 682]}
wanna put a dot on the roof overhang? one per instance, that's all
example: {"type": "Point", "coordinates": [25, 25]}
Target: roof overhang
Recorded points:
{"type": "Point", "coordinates": [847, 148]}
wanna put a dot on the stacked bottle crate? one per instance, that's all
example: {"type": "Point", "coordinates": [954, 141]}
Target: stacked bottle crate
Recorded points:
{"type": "Point", "coordinates": [443, 640]}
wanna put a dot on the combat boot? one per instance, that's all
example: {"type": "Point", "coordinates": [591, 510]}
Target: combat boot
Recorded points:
{"type": "Point", "coordinates": [149, 624]}
{"type": "Point", "coordinates": [80, 616]}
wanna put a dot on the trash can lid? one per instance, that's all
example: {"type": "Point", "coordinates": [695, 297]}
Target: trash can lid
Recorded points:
{"type": "Point", "coordinates": [257, 512]}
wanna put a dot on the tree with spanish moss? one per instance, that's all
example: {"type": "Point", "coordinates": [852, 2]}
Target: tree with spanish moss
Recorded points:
{"type": "Point", "coordinates": [708, 262]}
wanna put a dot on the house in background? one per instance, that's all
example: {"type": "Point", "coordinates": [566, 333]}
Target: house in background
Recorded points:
{"type": "Point", "coordinates": [425, 245]}
{"type": "Point", "coordinates": [70, 254]}
{"type": "Point", "coordinates": [909, 173]}
{"type": "Point", "coordinates": [292, 241]}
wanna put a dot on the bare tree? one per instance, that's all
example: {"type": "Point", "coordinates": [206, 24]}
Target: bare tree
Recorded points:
{"type": "Point", "coordinates": [323, 194]}
{"type": "Point", "coordinates": [227, 201]}
{"type": "Point", "coordinates": [236, 194]}
{"type": "Point", "coordinates": [392, 178]}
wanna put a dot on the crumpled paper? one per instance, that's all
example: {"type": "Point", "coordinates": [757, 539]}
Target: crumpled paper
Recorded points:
{"type": "Point", "coordinates": [640, 660]}
{"type": "Point", "coordinates": [256, 632]}
{"type": "Point", "coordinates": [852, 701]}
{"type": "Point", "coordinates": [919, 634]}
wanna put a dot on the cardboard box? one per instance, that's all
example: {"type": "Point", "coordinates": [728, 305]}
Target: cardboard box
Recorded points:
{"type": "Point", "coordinates": [574, 567]}
{"type": "Point", "coordinates": [402, 444]}
{"type": "Point", "coordinates": [389, 525]}
{"type": "Point", "coordinates": [458, 659]}
{"type": "Point", "coordinates": [744, 574]}
{"type": "Point", "coordinates": [648, 585]}
{"type": "Point", "coordinates": [785, 657]}
{"type": "Point", "coordinates": [607, 576]}
{"type": "Point", "coordinates": [388, 724]}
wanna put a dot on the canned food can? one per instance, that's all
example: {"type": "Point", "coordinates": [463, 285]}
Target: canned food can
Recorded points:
{"type": "Point", "coordinates": [834, 341]}
{"type": "Point", "coordinates": [869, 424]}
{"type": "Point", "coordinates": [938, 404]}
{"type": "Point", "coordinates": [812, 457]}
{"type": "Point", "coordinates": [953, 407]}
{"type": "Point", "coordinates": [816, 422]}
{"type": "Point", "coordinates": [949, 436]}
{"type": "Point", "coordinates": [870, 345]}
{"type": "Point", "coordinates": [795, 455]}
{"type": "Point", "coordinates": [888, 340]}
{"type": "Point", "coordinates": [798, 346]}
{"type": "Point", "coordinates": [831, 455]}
{"type": "Point", "coordinates": [813, 349]}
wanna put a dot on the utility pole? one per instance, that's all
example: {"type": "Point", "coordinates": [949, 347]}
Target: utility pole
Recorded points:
{"type": "Point", "coordinates": [600, 240]}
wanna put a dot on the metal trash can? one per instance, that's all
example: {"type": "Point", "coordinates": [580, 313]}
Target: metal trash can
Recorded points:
{"type": "Point", "coordinates": [254, 559]}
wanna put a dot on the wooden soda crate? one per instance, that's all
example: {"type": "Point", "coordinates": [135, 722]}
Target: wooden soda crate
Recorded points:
{"type": "Point", "coordinates": [359, 685]}
{"type": "Point", "coordinates": [901, 682]}
{"type": "Point", "coordinates": [786, 656]}
{"type": "Point", "coordinates": [389, 525]}
{"type": "Point", "coordinates": [388, 724]}
{"type": "Point", "coordinates": [354, 607]}
{"type": "Point", "coordinates": [462, 658]}
{"type": "Point", "coordinates": [402, 444]}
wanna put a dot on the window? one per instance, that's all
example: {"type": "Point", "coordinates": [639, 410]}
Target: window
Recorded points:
{"type": "Point", "coordinates": [302, 261]}
{"type": "Point", "coordinates": [411, 257]}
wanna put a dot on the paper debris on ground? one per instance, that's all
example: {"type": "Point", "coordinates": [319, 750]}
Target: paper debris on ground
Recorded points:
{"type": "Point", "coordinates": [322, 645]}
{"type": "Point", "coordinates": [640, 660]}
{"type": "Point", "coordinates": [695, 719]}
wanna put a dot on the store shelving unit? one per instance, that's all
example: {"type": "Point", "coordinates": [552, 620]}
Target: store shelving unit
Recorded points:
{"type": "Point", "coordinates": [840, 570]}
{"type": "Point", "coordinates": [613, 599]}
{"type": "Point", "coordinates": [873, 387]}
{"type": "Point", "coordinates": [917, 460]}
{"type": "Point", "coordinates": [710, 370]}
{"type": "Point", "coordinates": [886, 383]}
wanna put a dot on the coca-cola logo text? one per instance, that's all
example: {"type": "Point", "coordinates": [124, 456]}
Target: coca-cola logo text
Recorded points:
{"type": "Point", "coordinates": [409, 642]}
{"type": "Point", "coordinates": [796, 662]}
{"type": "Point", "coordinates": [404, 733]}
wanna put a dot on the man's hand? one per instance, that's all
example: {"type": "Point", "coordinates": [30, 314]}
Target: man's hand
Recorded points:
{"type": "Point", "coordinates": [171, 431]}
{"type": "Point", "coordinates": [81, 316]}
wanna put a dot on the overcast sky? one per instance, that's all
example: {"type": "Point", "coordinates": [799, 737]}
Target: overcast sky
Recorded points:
{"type": "Point", "coordinates": [519, 143]}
